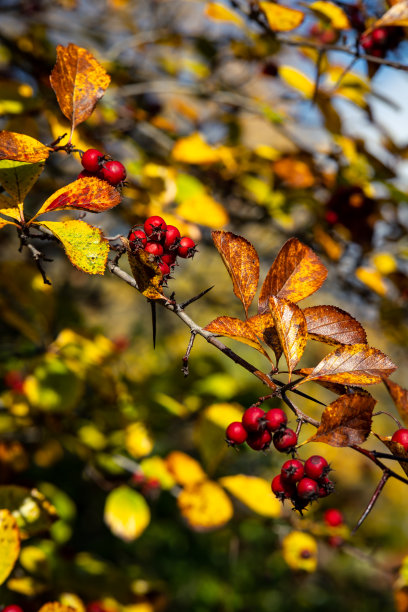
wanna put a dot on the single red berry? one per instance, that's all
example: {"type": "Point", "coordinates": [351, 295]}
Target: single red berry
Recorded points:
{"type": "Point", "coordinates": [333, 517]}
{"type": "Point", "coordinates": [331, 217]}
{"type": "Point", "coordinates": [154, 248]}
{"type": "Point", "coordinates": [155, 227]}
{"type": "Point", "coordinates": [171, 238]}
{"type": "Point", "coordinates": [138, 237]}
{"type": "Point", "coordinates": [95, 606]}
{"type": "Point", "coordinates": [367, 42]}
{"type": "Point", "coordinates": [285, 440]}
{"type": "Point", "coordinates": [259, 440]}
{"type": "Point", "coordinates": [326, 486]}
{"type": "Point", "coordinates": [164, 268]}
{"type": "Point", "coordinates": [85, 174]}
{"type": "Point", "coordinates": [114, 172]}
{"type": "Point", "coordinates": [335, 541]}
{"type": "Point", "coordinates": [186, 247]}
{"type": "Point", "coordinates": [316, 467]}
{"type": "Point", "coordinates": [380, 36]}
{"type": "Point", "coordinates": [308, 489]}
{"type": "Point", "coordinates": [275, 419]}
{"type": "Point", "coordinates": [252, 419]}
{"type": "Point", "coordinates": [169, 258]}
{"type": "Point", "coordinates": [14, 380]}
{"type": "Point", "coordinates": [91, 160]}
{"type": "Point", "coordinates": [282, 489]}
{"type": "Point", "coordinates": [401, 436]}
{"type": "Point", "coordinates": [12, 608]}
{"type": "Point", "coordinates": [236, 433]}
{"type": "Point", "coordinates": [292, 470]}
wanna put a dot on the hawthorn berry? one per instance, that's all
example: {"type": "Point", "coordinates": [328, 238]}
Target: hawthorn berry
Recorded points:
{"type": "Point", "coordinates": [169, 258]}
{"type": "Point", "coordinates": [236, 433]}
{"type": "Point", "coordinates": [12, 608]}
{"type": "Point", "coordinates": [253, 418]}
{"type": "Point", "coordinates": [85, 174]}
{"type": "Point", "coordinates": [282, 489]}
{"type": "Point", "coordinates": [259, 440]}
{"type": "Point", "coordinates": [155, 227]}
{"type": "Point", "coordinates": [379, 36]}
{"type": "Point", "coordinates": [91, 160]}
{"type": "Point", "coordinates": [171, 238]}
{"type": "Point", "coordinates": [164, 268]}
{"type": "Point", "coordinates": [292, 470]}
{"type": "Point", "coordinates": [307, 489]}
{"type": "Point", "coordinates": [285, 440]}
{"type": "Point", "coordinates": [275, 419]}
{"type": "Point", "coordinates": [333, 517]}
{"type": "Point", "coordinates": [138, 237]}
{"type": "Point", "coordinates": [154, 248]}
{"type": "Point", "coordinates": [114, 172]}
{"type": "Point", "coordinates": [186, 247]}
{"type": "Point", "coordinates": [326, 486]}
{"type": "Point", "coordinates": [401, 436]}
{"type": "Point", "coordinates": [316, 467]}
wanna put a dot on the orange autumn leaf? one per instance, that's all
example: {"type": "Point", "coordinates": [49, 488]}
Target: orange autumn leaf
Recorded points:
{"type": "Point", "coordinates": [357, 364]}
{"type": "Point", "coordinates": [294, 172]}
{"type": "Point", "coordinates": [397, 15]}
{"type": "Point", "coordinates": [296, 273]}
{"type": "Point", "coordinates": [146, 272]}
{"type": "Point", "coordinates": [78, 81]}
{"type": "Point", "coordinates": [291, 328]}
{"type": "Point", "coordinates": [241, 260]}
{"type": "Point", "coordinates": [264, 328]}
{"type": "Point", "coordinates": [332, 325]}
{"type": "Point", "coordinates": [399, 396]}
{"type": "Point", "coordinates": [236, 329]}
{"type": "Point", "coordinates": [281, 18]}
{"type": "Point", "coordinates": [395, 448]}
{"type": "Point", "coordinates": [55, 606]}
{"type": "Point", "coordinates": [19, 147]}
{"type": "Point", "coordinates": [346, 421]}
{"type": "Point", "coordinates": [205, 506]}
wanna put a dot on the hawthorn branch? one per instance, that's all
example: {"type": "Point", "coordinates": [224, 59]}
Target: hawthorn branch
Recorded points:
{"type": "Point", "coordinates": [386, 475]}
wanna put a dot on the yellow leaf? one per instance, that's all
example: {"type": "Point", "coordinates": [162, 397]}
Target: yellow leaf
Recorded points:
{"type": "Point", "coordinates": [155, 467]}
{"type": "Point", "coordinates": [296, 79]}
{"type": "Point", "coordinates": [9, 543]}
{"type": "Point", "coordinates": [219, 12]}
{"type": "Point", "coordinates": [300, 551]}
{"type": "Point", "coordinates": [12, 212]}
{"type": "Point", "coordinates": [205, 506]}
{"type": "Point", "coordinates": [254, 492]}
{"type": "Point", "coordinates": [23, 148]}
{"type": "Point", "coordinates": [223, 414]}
{"type": "Point", "coordinates": [203, 209]}
{"type": "Point", "coordinates": [373, 279]}
{"type": "Point", "coordinates": [397, 15]}
{"type": "Point", "coordinates": [184, 469]}
{"type": "Point", "coordinates": [281, 18]}
{"type": "Point", "coordinates": [194, 150]}
{"type": "Point", "coordinates": [55, 606]}
{"type": "Point", "coordinates": [137, 440]}
{"type": "Point", "coordinates": [126, 513]}
{"type": "Point", "coordinates": [384, 262]}
{"type": "Point", "coordinates": [31, 510]}
{"type": "Point", "coordinates": [335, 14]}
{"type": "Point", "coordinates": [17, 178]}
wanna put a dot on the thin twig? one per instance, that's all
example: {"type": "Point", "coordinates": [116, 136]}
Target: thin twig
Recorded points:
{"type": "Point", "coordinates": [38, 257]}
{"type": "Point", "coordinates": [390, 415]}
{"type": "Point", "coordinates": [386, 475]}
{"type": "Point", "coordinates": [195, 298]}
{"type": "Point", "coordinates": [318, 74]}
{"type": "Point", "coordinates": [302, 416]}
{"type": "Point", "coordinates": [184, 369]}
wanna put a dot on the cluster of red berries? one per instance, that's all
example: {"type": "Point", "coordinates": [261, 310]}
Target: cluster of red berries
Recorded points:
{"type": "Point", "coordinates": [162, 241]}
{"type": "Point", "coordinates": [102, 166]}
{"type": "Point", "coordinates": [379, 41]}
{"type": "Point", "coordinates": [259, 429]}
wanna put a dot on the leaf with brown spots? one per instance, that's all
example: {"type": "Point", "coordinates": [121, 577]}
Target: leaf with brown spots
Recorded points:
{"type": "Point", "coordinates": [20, 147]}
{"type": "Point", "coordinates": [336, 388]}
{"type": "Point", "coordinates": [146, 272]}
{"type": "Point", "coordinates": [357, 364]}
{"type": "Point", "coordinates": [296, 273]}
{"type": "Point", "coordinates": [236, 329]}
{"type": "Point", "coordinates": [399, 396]}
{"type": "Point", "coordinates": [264, 328]}
{"type": "Point", "coordinates": [90, 194]}
{"type": "Point", "coordinates": [395, 448]}
{"type": "Point", "coordinates": [78, 81]}
{"type": "Point", "coordinates": [291, 328]}
{"type": "Point", "coordinates": [9, 543]}
{"type": "Point", "coordinates": [346, 421]}
{"type": "Point", "coordinates": [332, 325]}
{"type": "Point", "coordinates": [242, 262]}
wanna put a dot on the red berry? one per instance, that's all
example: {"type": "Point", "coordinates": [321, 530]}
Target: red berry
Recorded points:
{"type": "Point", "coordinates": [316, 467]}
{"type": "Point", "coordinates": [367, 42]}
{"type": "Point", "coordinates": [335, 541]}
{"type": "Point", "coordinates": [285, 440]}
{"type": "Point", "coordinates": [252, 419]}
{"type": "Point", "coordinates": [114, 172]}
{"type": "Point", "coordinates": [154, 248]}
{"type": "Point", "coordinates": [326, 487]}
{"type": "Point", "coordinates": [275, 419]}
{"type": "Point", "coordinates": [169, 258]}
{"type": "Point", "coordinates": [138, 237]}
{"type": "Point", "coordinates": [12, 608]}
{"type": "Point", "coordinates": [333, 517]}
{"type": "Point", "coordinates": [380, 36]}
{"type": "Point", "coordinates": [401, 436]}
{"type": "Point", "coordinates": [292, 470]}
{"type": "Point", "coordinates": [282, 489]}
{"type": "Point", "coordinates": [260, 440]}
{"type": "Point", "coordinates": [155, 227]}
{"type": "Point", "coordinates": [186, 247]}
{"type": "Point", "coordinates": [91, 160]}
{"type": "Point", "coordinates": [331, 217]}
{"type": "Point", "coordinates": [85, 174]}
{"type": "Point", "coordinates": [308, 489]}
{"type": "Point", "coordinates": [171, 238]}
{"type": "Point", "coordinates": [164, 268]}
{"type": "Point", "coordinates": [236, 433]}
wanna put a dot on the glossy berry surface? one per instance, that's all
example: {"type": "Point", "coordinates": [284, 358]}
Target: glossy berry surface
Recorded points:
{"type": "Point", "coordinates": [164, 268]}
{"type": "Point", "coordinates": [236, 433]}
{"type": "Point", "coordinates": [154, 248]}
{"type": "Point", "coordinates": [186, 247]}
{"type": "Point", "coordinates": [316, 467]}
{"type": "Point", "coordinates": [169, 258]}
{"type": "Point", "coordinates": [292, 470]}
{"type": "Point", "coordinates": [285, 440]}
{"type": "Point", "coordinates": [91, 160]}
{"type": "Point", "coordinates": [275, 419]}
{"type": "Point", "coordinates": [282, 490]}
{"type": "Point", "coordinates": [252, 418]}
{"type": "Point", "coordinates": [333, 517]}
{"type": "Point", "coordinates": [138, 237]}
{"type": "Point", "coordinates": [401, 436]}
{"type": "Point", "coordinates": [172, 237]}
{"type": "Point", "coordinates": [308, 489]}
{"type": "Point", "coordinates": [260, 440]}
{"type": "Point", "coordinates": [155, 227]}
{"type": "Point", "coordinates": [12, 608]}
{"type": "Point", "coordinates": [114, 172]}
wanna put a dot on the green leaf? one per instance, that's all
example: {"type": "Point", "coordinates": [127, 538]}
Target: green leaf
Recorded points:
{"type": "Point", "coordinates": [126, 513]}
{"type": "Point", "coordinates": [17, 178]}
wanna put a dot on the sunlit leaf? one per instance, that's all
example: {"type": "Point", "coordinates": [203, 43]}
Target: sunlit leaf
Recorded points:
{"type": "Point", "coordinates": [241, 260]}
{"type": "Point", "coordinates": [155, 467]}
{"type": "Point", "coordinates": [219, 12]}
{"type": "Point", "coordinates": [264, 328]}
{"type": "Point", "coordinates": [32, 511]}
{"type": "Point", "coordinates": [373, 279]}
{"type": "Point", "coordinates": [23, 148]}
{"type": "Point", "coordinates": [55, 606]}
{"type": "Point", "coordinates": [194, 150]}
{"type": "Point", "coordinates": [9, 543]}
{"type": "Point", "coordinates": [3, 223]}
{"type": "Point", "coordinates": [205, 506]}
{"type": "Point", "coordinates": [346, 421]}
{"type": "Point", "coordinates": [17, 178]}
{"type": "Point", "coordinates": [203, 209]}
{"type": "Point", "coordinates": [290, 324]}
{"type": "Point", "coordinates": [296, 79]}
{"type": "Point", "coordinates": [78, 81]}
{"type": "Point", "coordinates": [294, 172]}
{"type": "Point", "coordinates": [399, 397]}
{"type": "Point", "coordinates": [185, 470]}
{"type": "Point", "coordinates": [336, 15]}
{"type": "Point", "coordinates": [237, 329]}
{"type": "Point", "coordinates": [254, 492]}
{"type": "Point", "coordinates": [126, 513]}
{"type": "Point", "coordinates": [299, 550]}
{"type": "Point", "coordinates": [281, 18]}
{"type": "Point", "coordinates": [296, 273]}
{"type": "Point", "coordinates": [11, 212]}
{"type": "Point", "coordinates": [357, 364]}
{"type": "Point", "coordinates": [53, 386]}
{"type": "Point", "coordinates": [137, 440]}
{"type": "Point", "coordinates": [332, 325]}
{"type": "Point", "coordinates": [146, 273]}
{"type": "Point", "coordinates": [397, 15]}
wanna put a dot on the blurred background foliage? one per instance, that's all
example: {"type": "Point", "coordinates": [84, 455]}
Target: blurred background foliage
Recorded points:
{"type": "Point", "coordinates": [219, 126]}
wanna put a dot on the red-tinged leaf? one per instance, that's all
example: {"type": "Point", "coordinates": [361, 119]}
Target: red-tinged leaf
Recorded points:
{"type": "Point", "coordinates": [78, 81]}
{"type": "Point", "coordinates": [346, 421]}
{"type": "Point", "coordinates": [296, 273]}
{"type": "Point", "coordinates": [90, 194]}
{"type": "Point", "coordinates": [85, 245]}
{"type": "Point", "coordinates": [395, 448]}
{"type": "Point", "coordinates": [399, 397]}
{"type": "Point", "coordinates": [146, 272]}
{"type": "Point", "coordinates": [19, 147]}
{"type": "Point", "coordinates": [236, 329]}
{"type": "Point", "coordinates": [291, 328]}
{"type": "Point", "coordinates": [357, 364]}
{"type": "Point", "coordinates": [332, 325]}
{"type": "Point", "coordinates": [264, 328]}
{"type": "Point", "coordinates": [242, 262]}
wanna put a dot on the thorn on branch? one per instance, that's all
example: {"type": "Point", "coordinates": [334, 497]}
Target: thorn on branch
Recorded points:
{"type": "Point", "coordinates": [184, 368]}
{"type": "Point", "coordinates": [183, 305]}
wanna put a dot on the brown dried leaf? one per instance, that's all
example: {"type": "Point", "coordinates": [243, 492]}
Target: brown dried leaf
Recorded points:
{"type": "Point", "coordinates": [78, 81]}
{"type": "Point", "coordinates": [236, 329]}
{"type": "Point", "coordinates": [146, 273]}
{"type": "Point", "coordinates": [399, 397]}
{"type": "Point", "coordinates": [296, 273]}
{"type": "Point", "coordinates": [333, 387]}
{"type": "Point", "coordinates": [357, 364]}
{"type": "Point", "coordinates": [395, 449]}
{"type": "Point", "coordinates": [242, 262]}
{"type": "Point", "coordinates": [332, 325]}
{"type": "Point", "coordinates": [291, 328]}
{"type": "Point", "coordinates": [20, 147]}
{"type": "Point", "coordinates": [346, 421]}
{"type": "Point", "coordinates": [264, 328]}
